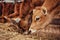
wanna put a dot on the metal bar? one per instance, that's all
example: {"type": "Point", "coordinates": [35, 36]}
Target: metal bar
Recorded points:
{"type": "Point", "coordinates": [11, 1]}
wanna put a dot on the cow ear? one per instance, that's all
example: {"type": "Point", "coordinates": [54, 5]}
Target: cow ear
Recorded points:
{"type": "Point", "coordinates": [44, 10]}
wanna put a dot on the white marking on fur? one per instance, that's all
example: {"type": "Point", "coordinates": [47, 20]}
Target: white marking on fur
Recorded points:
{"type": "Point", "coordinates": [17, 20]}
{"type": "Point", "coordinates": [32, 30]}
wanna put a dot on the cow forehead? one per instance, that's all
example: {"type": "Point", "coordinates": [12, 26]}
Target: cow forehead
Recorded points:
{"type": "Point", "coordinates": [37, 12]}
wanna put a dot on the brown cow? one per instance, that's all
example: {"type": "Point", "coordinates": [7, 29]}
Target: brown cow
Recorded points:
{"type": "Point", "coordinates": [42, 15]}
{"type": "Point", "coordinates": [24, 14]}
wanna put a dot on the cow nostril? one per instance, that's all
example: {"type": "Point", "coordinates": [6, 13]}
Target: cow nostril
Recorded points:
{"type": "Point", "coordinates": [29, 32]}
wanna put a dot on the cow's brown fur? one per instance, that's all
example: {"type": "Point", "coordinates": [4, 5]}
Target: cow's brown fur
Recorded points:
{"type": "Point", "coordinates": [50, 4]}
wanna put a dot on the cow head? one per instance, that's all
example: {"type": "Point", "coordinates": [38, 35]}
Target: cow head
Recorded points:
{"type": "Point", "coordinates": [39, 19]}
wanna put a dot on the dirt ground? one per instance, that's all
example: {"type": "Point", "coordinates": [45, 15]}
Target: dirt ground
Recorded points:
{"type": "Point", "coordinates": [5, 34]}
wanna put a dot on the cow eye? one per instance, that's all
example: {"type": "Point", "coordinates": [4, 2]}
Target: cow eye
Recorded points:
{"type": "Point", "coordinates": [37, 18]}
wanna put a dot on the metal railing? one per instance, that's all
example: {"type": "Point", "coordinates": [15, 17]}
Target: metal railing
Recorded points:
{"type": "Point", "coordinates": [11, 1]}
